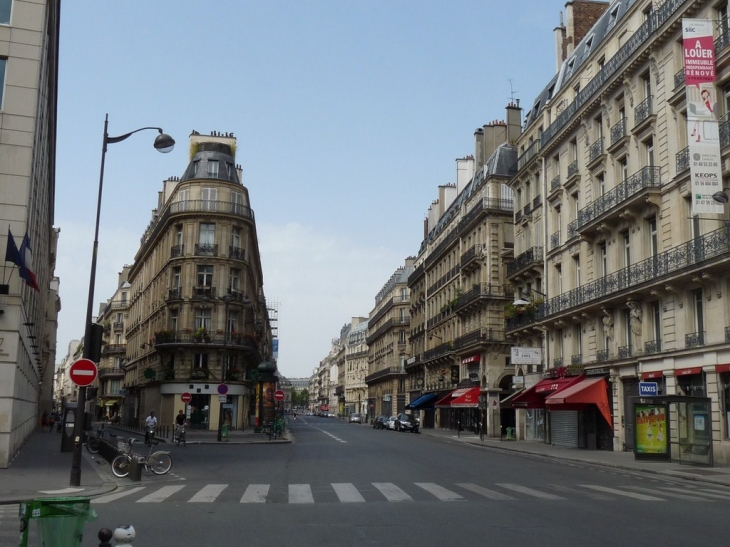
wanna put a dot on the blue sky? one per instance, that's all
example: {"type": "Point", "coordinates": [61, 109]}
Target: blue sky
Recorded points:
{"type": "Point", "coordinates": [348, 116]}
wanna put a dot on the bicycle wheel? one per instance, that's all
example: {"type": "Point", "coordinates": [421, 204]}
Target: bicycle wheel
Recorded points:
{"type": "Point", "coordinates": [121, 465]}
{"type": "Point", "coordinates": [159, 463]}
{"type": "Point", "coordinates": [266, 433]}
{"type": "Point", "coordinates": [181, 440]}
{"type": "Point", "coordinates": [92, 445]}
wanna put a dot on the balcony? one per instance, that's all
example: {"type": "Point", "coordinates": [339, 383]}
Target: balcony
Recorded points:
{"type": "Point", "coordinates": [527, 209]}
{"type": "Point", "coordinates": [711, 249]}
{"type": "Point", "coordinates": [236, 253]}
{"type": "Point", "coordinates": [174, 294]}
{"type": "Point", "coordinates": [682, 160]}
{"type": "Point", "coordinates": [526, 316]}
{"type": "Point", "coordinates": [632, 192]}
{"type": "Point", "coordinates": [694, 339]}
{"type": "Point", "coordinates": [536, 202]}
{"type": "Point", "coordinates": [727, 334]}
{"type": "Point", "coordinates": [118, 325]}
{"type": "Point", "coordinates": [576, 359]}
{"type": "Point", "coordinates": [679, 79]}
{"type": "Point", "coordinates": [483, 207]}
{"type": "Point", "coordinates": [111, 349]}
{"type": "Point", "coordinates": [528, 155]}
{"type": "Point", "coordinates": [557, 362]}
{"type": "Point", "coordinates": [532, 257]}
{"type": "Point", "coordinates": [203, 291]}
{"type": "Point", "coordinates": [624, 352]}
{"type": "Point", "coordinates": [555, 184]}
{"type": "Point", "coordinates": [555, 240]}
{"type": "Point", "coordinates": [572, 229]}
{"type": "Point", "coordinates": [471, 259]}
{"type": "Point", "coordinates": [618, 136]}
{"type": "Point", "coordinates": [107, 373]}
{"type": "Point", "coordinates": [572, 170]}
{"type": "Point", "coordinates": [652, 346]}
{"type": "Point", "coordinates": [480, 295]}
{"type": "Point", "coordinates": [177, 250]}
{"type": "Point", "coordinates": [595, 153]}
{"type": "Point", "coordinates": [168, 339]}
{"type": "Point", "coordinates": [602, 355]}
{"type": "Point", "coordinates": [387, 372]}
{"type": "Point", "coordinates": [643, 115]}
{"type": "Point", "coordinates": [206, 249]}
{"type": "Point", "coordinates": [479, 338]}
{"type": "Point", "coordinates": [442, 350]}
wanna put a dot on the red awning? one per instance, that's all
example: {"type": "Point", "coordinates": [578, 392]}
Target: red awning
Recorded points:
{"type": "Point", "coordinates": [534, 397]}
{"type": "Point", "coordinates": [651, 375]}
{"type": "Point", "coordinates": [590, 391]}
{"type": "Point", "coordinates": [470, 399]}
{"type": "Point", "coordinates": [688, 371]}
{"type": "Point", "coordinates": [722, 368]}
{"type": "Point", "coordinates": [445, 402]}
{"type": "Point", "coordinates": [473, 359]}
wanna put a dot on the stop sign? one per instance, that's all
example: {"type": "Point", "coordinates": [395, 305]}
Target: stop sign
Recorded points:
{"type": "Point", "coordinates": [83, 372]}
{"type": "Point", "coordinates": [279, 395]}
{"type": "Point", "coordinates": [186, 397]}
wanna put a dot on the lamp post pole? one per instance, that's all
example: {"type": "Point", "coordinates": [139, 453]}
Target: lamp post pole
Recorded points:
{"type": "Point", "coordinates": [163, 143]}
{"type": "Point", "coordinates": [226, 300]}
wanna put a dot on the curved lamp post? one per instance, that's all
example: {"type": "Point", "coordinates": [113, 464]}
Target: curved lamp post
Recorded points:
{"type": "Point", "coordinates": [163, 143]}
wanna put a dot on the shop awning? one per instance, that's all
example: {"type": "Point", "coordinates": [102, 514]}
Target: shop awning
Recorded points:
{"type": "Point", "coordinates": [421, 402]}
{"type": "Point", "coordinates": [445, 402]}
{"type": "Point", "coordinates": [507, 401]}
{"type": "Point", "coordinates": [534, 397]}
{"type": "Point", "coordinates": [469, 399]}
{"type": "Point", "coordinates": [589, 391]}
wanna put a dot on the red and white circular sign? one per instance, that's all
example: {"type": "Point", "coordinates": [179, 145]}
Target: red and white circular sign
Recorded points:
{"type": "Point", "coordinates": [279, 395]}
{"type": "Point", "coordinates": [83, 372]}
{"type": "Point", "coordinates": [186, 397]}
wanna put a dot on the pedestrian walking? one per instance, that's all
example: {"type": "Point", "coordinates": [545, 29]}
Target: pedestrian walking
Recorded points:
{"type": "Point", "coordinates": [44, 420]}
{"type": "Point", "coordinates": [51, 423]}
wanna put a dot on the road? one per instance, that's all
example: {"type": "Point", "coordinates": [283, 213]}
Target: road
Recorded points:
{"type": "Point", "coordinates": [348, 484]}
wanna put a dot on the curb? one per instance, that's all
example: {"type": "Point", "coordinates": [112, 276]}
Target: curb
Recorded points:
{"type": "Point", "coordinates": [92, 492]}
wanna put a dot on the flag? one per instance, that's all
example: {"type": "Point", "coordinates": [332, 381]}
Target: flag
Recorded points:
{"type": "Point", "coordinates": [11, 252]}
{"type": "Point", "coordinates": [26, 259]}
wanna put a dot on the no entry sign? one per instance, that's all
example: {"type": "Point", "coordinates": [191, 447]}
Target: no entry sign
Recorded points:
{"type": "Point", "coordinates": [83, 372]}
{"type": "Point", "coordinates": [279, 395]}
{"type": "Point", "coordinates": [186, 397]}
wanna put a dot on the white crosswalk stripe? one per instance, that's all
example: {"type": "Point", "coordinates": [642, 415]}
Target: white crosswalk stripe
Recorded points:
{"type": "Point", "coordinates": [491, 494]}
{"type": "Point", "coordinates": [161, 495]}
{"type": "Point", "coordinates": [617, 492]}
{"type": "Point", "coordinates": [392, 492]}
{"type": "Point", "coordinates": [439, 491]}
{"type": "Point", "coordinates": [255, 493]}
{"type": "Point", "coordinates": [347, 493]}
{"type": "Point", "coordinates": [530, 491]}
{"type": "Point", "coordinates": [300, 493]}
{"type": "Point", "coordinates": [208, 494]}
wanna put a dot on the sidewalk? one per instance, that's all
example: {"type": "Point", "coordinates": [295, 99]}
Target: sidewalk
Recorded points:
{"type": "Point", "coordinates": [618, 460]}
{"type": "Point", "coordinates": [199, 436]}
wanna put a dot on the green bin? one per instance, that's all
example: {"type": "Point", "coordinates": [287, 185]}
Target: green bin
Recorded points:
{"type": "Point", "coordinates": [61, 521]}
{"type": "Point", "coordinates": [224, 432]}
{"type": "Point", "coordinates": [510, 433]}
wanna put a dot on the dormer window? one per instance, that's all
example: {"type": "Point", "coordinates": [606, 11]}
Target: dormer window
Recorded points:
{"type": "Point", "coordinates": [213, 168]}
{"type": "Point", "coordinates": [613, 14]}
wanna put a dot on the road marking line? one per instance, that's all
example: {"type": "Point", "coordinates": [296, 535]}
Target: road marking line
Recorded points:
{"type": "Point", "coordinates": [208, 493]}
{"type": "Point", "coordinates": [707, 493]}
{"type": "Point", "coordinates": [439, 491]}
{"type": "Point", "coordinates": [300, 493]}
{"type": "Point", "coordinates": [392, 492]}
{"type": "Point", "coordinates": [161, 494]}
{"type": "Point", "coordinates": [642, 497]}
{"type": "Point", "coordinates": [347, 492]}
{"type": "Point", "coordinates": [668, 494]}
{"type": "Point", "coordinates": [117, 495]}
{"type": "Point", "coordinates": [491, 494]}
{"type": "Point", "coordinates": [530, 491]}
{"type": "Point", "coordinates": [255, 493]}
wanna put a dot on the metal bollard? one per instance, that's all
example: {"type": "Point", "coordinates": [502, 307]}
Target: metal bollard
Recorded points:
{"type": "Point", "coordinates": [105, 534]}
{"type": "Point", "coordinates": [135, 469]}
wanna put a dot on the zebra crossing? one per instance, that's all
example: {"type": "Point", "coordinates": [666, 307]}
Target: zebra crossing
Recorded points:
{"type": "Point", "coordinates": [412, 492]}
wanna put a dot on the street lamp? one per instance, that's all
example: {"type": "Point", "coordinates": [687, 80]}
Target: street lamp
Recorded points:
{"type": "Point", "coordinates": [163, 143]}
{"type": "Point", "coordinates": [521, 300]}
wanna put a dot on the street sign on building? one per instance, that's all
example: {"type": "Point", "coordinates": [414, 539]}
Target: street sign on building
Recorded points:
{"type": "Point", "coordinates": [648, 388]}
{"type": "Point", "coordinates": [83, 372]}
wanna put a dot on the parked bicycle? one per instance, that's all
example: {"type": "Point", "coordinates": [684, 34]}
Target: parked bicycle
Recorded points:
{"type": "Point", "coordinates": [93, 441]}
{"type": "Point", "coordinates": [275, 429]}
{"type": "Point", "coordinates": [159, 461]}
{"type": "Point", "coordinates": [179, 435]}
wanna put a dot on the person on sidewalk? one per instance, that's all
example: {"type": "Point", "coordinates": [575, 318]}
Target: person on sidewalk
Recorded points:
{"type": "Point", "coordinates": [44, 421]}
{"type": "Point", "coordinates": [51, 423]}
{"type": "Point", "coordinates": [150, 425]}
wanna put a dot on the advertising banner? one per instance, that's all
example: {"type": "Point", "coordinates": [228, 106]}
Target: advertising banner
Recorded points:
{"type": "Point", "coordinates": [702, 115]}
{"type": "Point", "coordinates": [651, 429]}
{"type": "Point", "coordinates": [526, 356]}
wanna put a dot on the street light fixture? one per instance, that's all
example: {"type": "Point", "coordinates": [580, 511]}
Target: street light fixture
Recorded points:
{"type": "Point", "coordinates": [522, 299]}
{"type": "Point", "coordinates": [163, 143]}
{"type": "Point", "coordinates": [722, 196]}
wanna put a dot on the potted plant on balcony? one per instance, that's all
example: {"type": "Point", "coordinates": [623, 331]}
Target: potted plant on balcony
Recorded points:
{"type": "Point", "coordinates": [163, 336]}
{"type": "Point", "coordinates": [199, 374]}
{"type": "Point", "coordinates": [233, 374]}
{"type": "Point", "coordinates": [201, 335]}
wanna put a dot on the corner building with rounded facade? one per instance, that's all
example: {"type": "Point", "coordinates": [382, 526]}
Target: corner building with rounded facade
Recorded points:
{"type": "Point", "coordinates": [197, 312]}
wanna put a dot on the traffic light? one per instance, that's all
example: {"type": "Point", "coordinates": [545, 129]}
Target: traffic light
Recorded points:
{"type": "Point", "coordinates": [95, 335]}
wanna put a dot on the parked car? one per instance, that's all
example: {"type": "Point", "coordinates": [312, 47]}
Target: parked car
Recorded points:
{"type": "Point", "coordinates": [404, 422]}
{"type": "Point", "coordinates": [390, 424]}
{"type": "Point", "coordinates": [379, 422]}
{"type": "Point", "coordinates": [355, 418]}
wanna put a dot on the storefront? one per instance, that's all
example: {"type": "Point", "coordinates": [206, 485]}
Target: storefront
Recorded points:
{"type": "Point", "coordinates": [459, 409]}
{"type": "Point", "coordinates": [423, 407]}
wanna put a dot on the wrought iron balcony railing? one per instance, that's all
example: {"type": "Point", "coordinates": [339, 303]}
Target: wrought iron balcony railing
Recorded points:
{"type": "Point", "coordinates": [528, 209]}
{"type": "Point", "coordinates": [177, 250]}
{"type": "Point", "coordinates": [486, 205]}
{"type": "Point", "coordinates": [555, 240]}
{"type": "Point", "coordinates": [723, 40]}
{"type": "Point", "coordinates": [595, 150]}
{"type": "Point", "coordinates": [204, 291]}
{"type": "Point", "coordinates": [652, 346]}
{"type": "Point", "coordinates": [206, 249]}
{"type": "Point", "coordinates": [694, 339]}
{"type": "Point", "coordinates": [679, 78]}
{"type": "Point", "coordinates": [572, 228]}
{"type": "Point", "coordinates": [602, 355]}
{"type": "Point", "coordinates": [573, 169]}
{"type": "Point", "coordinates": [528, 154]}
{"type": "Point", "coordinates": [618, 131]}
{"type": "Point", "coordinates": [576, 359]}
{"type": "Point", "coordinates": [727, 334]}
{"type": "Point", "coordinates": [533, 255]}
{"type": "Point", "coordinates": [118, 325]}
{"type": "Point", "coordinates": [557, 362]}
{"type": "Point", "coordinates": [691, 253]}
{"type": "Point", "coordinates": [555, 184]}
{"type": "Point", "coordinates": [481, 335]}
{"type": "Point", "coordinates": [484, 290]}
{"type": "Point", "coordinates": [536, 202]}
{"type": "Point", "coordinates": [624, 352]}
{"type": "Point", "coordinates": [642, 111]}
{"type": "Point", "coordinates": [682, 160]}
{"type": "Point", "coordinates": [648, 177]}
{"type": "Point", "coordinates": [174, 293]}
{"type": "Point", "coordinates": [237, 253]}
